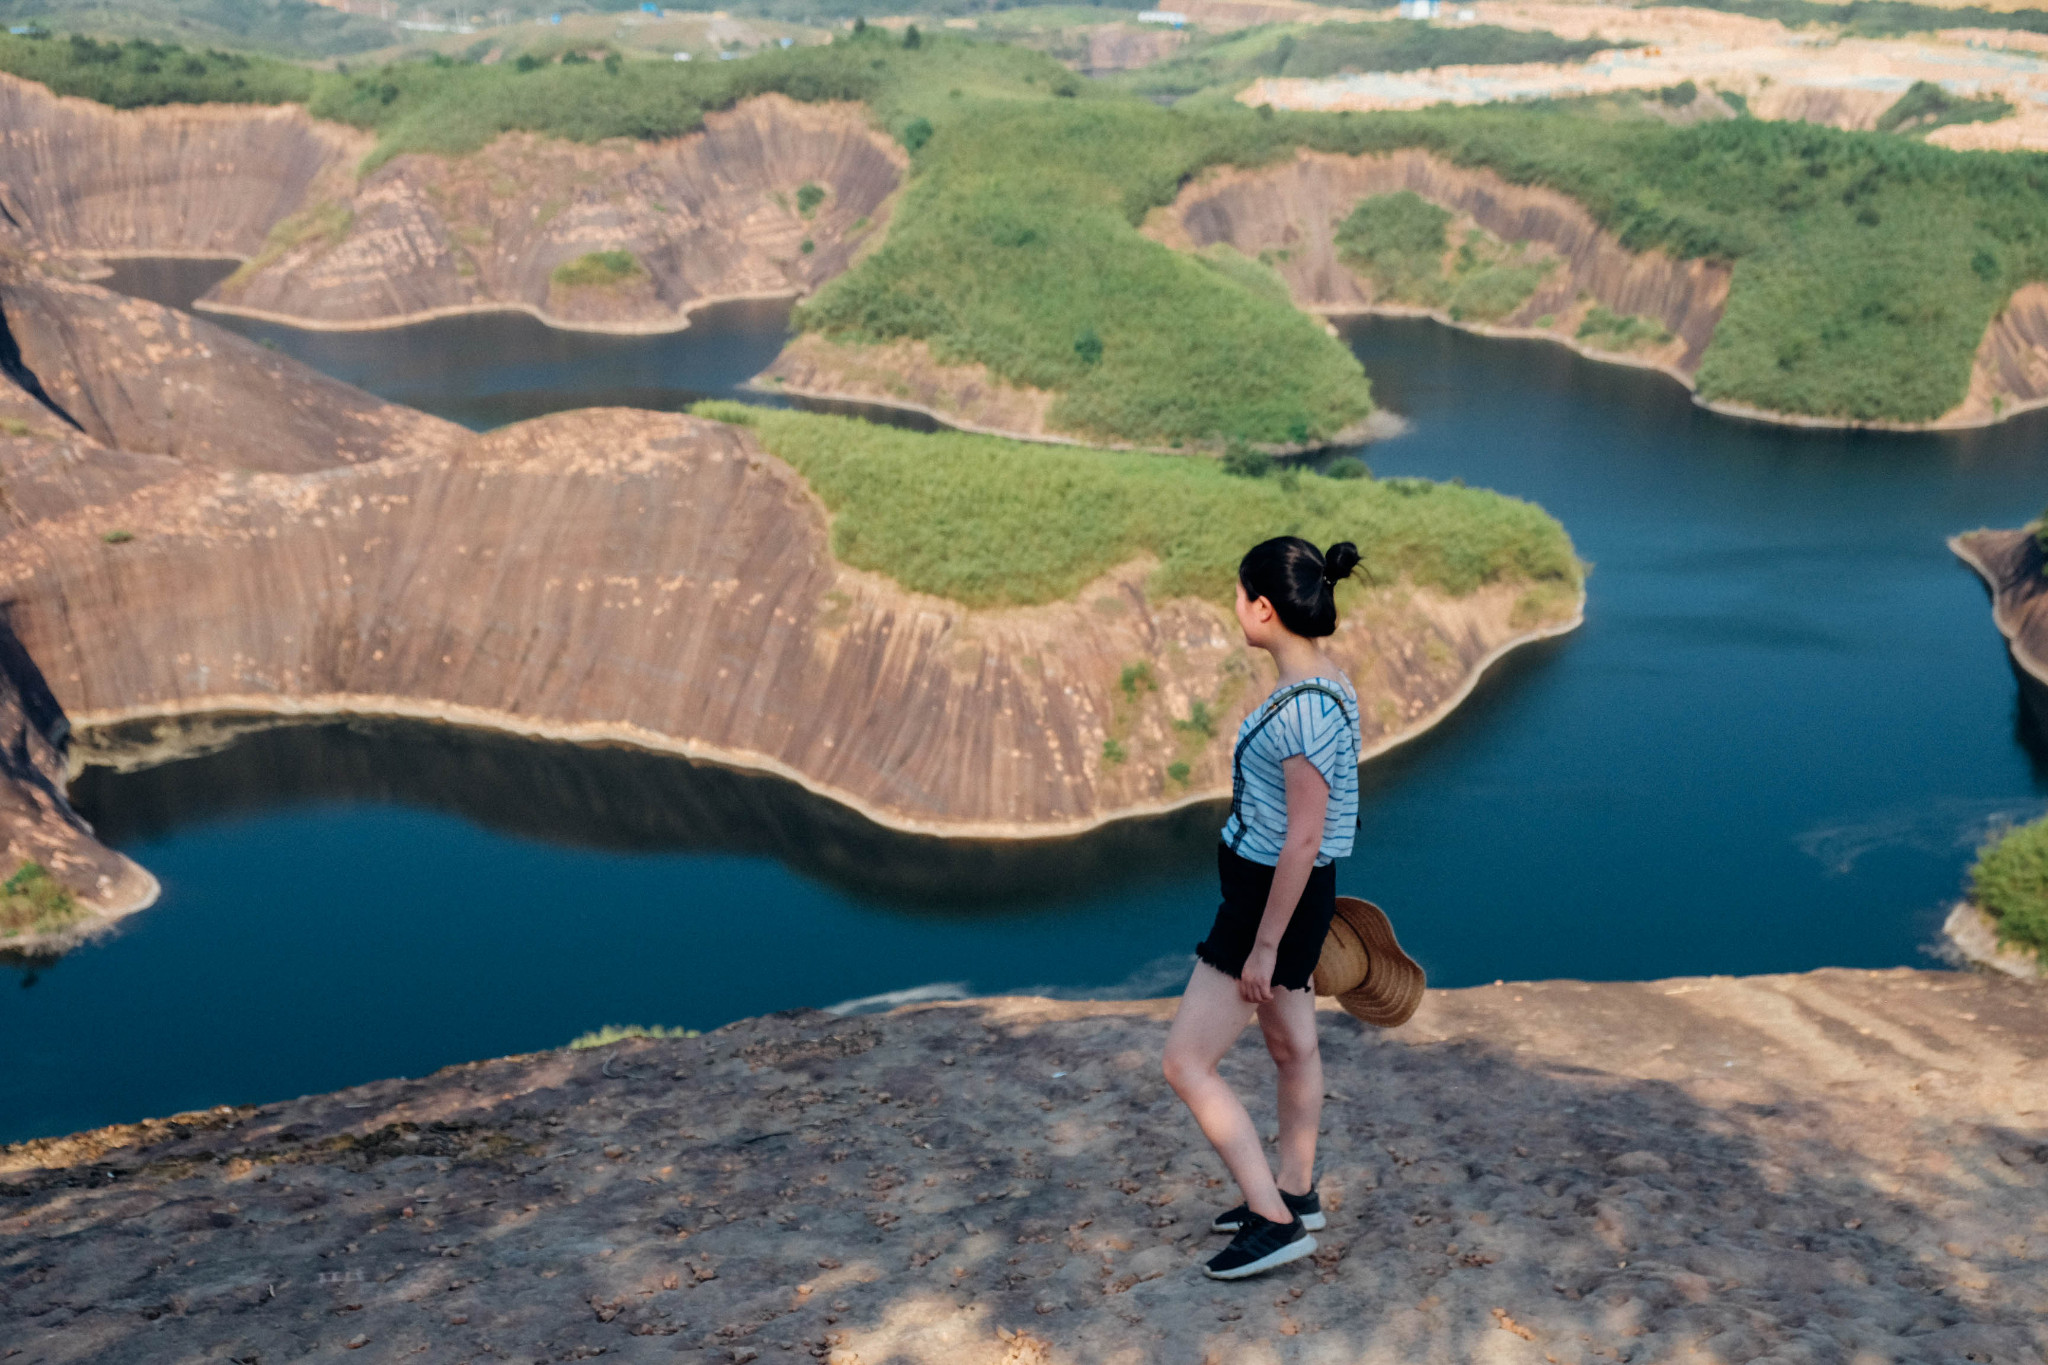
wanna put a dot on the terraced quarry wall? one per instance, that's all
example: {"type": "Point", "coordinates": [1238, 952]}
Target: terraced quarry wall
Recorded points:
{"type": "Point", "coordinates": [79, 178]}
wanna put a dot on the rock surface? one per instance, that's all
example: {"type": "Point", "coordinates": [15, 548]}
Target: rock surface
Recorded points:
{"type": "Point", "coordinates": [80, 178]}
{"type": "Point", "coordinates": [1842, 1166]}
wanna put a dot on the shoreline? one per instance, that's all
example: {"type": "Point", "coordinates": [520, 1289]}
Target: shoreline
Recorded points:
{"type": "Point", "coordinates": [1719, 406]}
{"type": "Point", "coordinates": [2033, 667]}
{"type": "Point", "coordinates": [1972, 935]}
{"type": "Point", "coordinates": [680, 321]}
{"type": "Point", "coordinates": [1378, 425]}
{"type": "Point", "coordinates": [344, 705]}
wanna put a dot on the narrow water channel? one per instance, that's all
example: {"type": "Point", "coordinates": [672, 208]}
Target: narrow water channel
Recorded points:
{"type": "Point", "coordinates": [1774, 745]}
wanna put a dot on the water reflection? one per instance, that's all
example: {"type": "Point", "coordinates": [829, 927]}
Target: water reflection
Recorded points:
{"type": "Point", "coordinates": [603, 797]}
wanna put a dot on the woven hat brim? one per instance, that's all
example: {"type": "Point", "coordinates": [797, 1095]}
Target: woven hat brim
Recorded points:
{"type": "Point", "coordinates": [1394, 982]}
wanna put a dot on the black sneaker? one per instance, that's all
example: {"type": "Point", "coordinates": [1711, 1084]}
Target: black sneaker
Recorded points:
{"type": "Point", "coordinates": [1307, 1207]}
{"type": "Point", "coordinates": [1258, 1247]}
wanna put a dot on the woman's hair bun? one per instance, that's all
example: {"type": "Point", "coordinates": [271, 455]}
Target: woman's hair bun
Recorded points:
{"type": "Point", "coordinates": [1339, 560]}
{"type": "Point", "coordinates": [1298, 579]}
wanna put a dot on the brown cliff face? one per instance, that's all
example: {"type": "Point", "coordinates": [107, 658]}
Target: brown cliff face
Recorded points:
{"type": "Point", "coordinates": [78, 177]}
{"type": "Point", "coordinates": [710, 216]}
{"type": "Point", "coordinates": [644, 578]}
{"type": "Point", "coordinates": [2010, 373]}
{"type": "Point", "coordinates": [141, 378]}
{"type": "Point", "coordinates": [1851, 1165]}
{"type": "Point", "coordinates": [1292, 210]}
{"type": "Point", "coordinates": [2015, 569]}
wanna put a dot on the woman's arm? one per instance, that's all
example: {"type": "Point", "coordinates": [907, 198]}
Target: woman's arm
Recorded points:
{"type": "Point", "coordinates": [1308, 801]}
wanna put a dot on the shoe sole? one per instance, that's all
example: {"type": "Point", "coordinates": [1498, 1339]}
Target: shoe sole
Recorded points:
{"type": "Point", "coordinates": [1314, 1222]}
{"type": "Point", "coordinates": [1293, 1251]}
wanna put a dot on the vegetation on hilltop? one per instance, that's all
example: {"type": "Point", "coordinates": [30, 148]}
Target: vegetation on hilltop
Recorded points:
{"type": "Point", "coordinates": [2010, 882]}
{"type": "Point", "coordinates": [1883, 18]}
{"type": "Point", "coordinates": [1228, 62]}
{"type": "Point", "coordinates": [292, 28]}
{"type": "Point", "coordinates": [992, 522]}
{"type": "Point", "coordinates": [140, 72]}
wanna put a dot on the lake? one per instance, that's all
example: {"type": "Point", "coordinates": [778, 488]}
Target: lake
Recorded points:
{"type": "Point", "coordinates": [1774, 745]}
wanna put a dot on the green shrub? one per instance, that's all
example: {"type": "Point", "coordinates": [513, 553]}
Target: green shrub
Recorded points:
{"type": "Point", "coordinates": [1926, 106]}
{"type": "Point", "coordinates": [118, 537]}
{"type": "Point", "coordinates": [1346, 467]}
{"type": "Point", "coordinates": [808, 196]}
{"type": "Point", "coordinates": [2010, 882]}
{"type": "Point", "coordinates": [618, 1033]}
{"type": "Point", "coordinates": [1610, 331]}
{"type": "Point", "coordinates": [1398, 242]}
{"type": "Point", "coordinates": [34, 902]}
{"type": "Point", "coordinates": [991, 522]}
{"type": "Point", "coordinates": [597, 268]}
{"type": "Point", "coordinates": [139, 73]}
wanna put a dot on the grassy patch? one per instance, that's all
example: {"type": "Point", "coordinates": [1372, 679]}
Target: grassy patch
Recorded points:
{"type": "Point", "coordinates": [138, 73]}
{"type": "Point", "coordinates": [327, 223]}
{"type": "Point", "coordinates": [1926, 106]}
{"type": "Point", "coordinates": [1609, 331]}
{"type": "Point", "coordinates": [1400, 241]}
{"type": "Point", "coordinates": [596, 269]}
{"type": "Point", "coordinates": [618, 1033]}
{"type": "Point", "coordinates": [1228, 62]}
{"type": "Point", "coordinates": [34, 902]}
{"type": "Point", "coordinates": [991, 523]}
{"type": "Point", "coordinates": [2010, 881]}
{"type": "Point", "coordinates": [1883, 18]}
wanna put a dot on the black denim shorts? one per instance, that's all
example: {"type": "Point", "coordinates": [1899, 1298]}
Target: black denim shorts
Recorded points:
{"type": "Point", "coordinates": [1245, 887]}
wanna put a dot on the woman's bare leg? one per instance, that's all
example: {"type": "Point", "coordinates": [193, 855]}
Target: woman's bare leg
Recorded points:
{"type": "Point", "coordinates": [1208, 1022]}
{"type": "Point", "coordinates": [1289, 1023]}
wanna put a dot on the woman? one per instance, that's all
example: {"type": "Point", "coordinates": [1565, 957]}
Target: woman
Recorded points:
{"type": "Point", "coordinates": [1293, 808]}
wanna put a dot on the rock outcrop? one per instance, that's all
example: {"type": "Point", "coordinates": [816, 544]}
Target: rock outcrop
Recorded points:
{"type": "Point", "coordinates": [1287, 215]}
{"type": "Point", "coordinates": [719, 214]}
{"type": "Point", "coordinates": [645, 578]}
{"type": "Point", "coordinates": [1837, 1166]}
{"type": "Point", "coordinates": [2014, 567]}
{"type": "Point", "coordinates": [78, 178]}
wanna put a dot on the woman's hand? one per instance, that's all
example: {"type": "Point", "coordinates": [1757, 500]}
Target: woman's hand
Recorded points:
{"type": "Point", "coordinates": [1255, 981]}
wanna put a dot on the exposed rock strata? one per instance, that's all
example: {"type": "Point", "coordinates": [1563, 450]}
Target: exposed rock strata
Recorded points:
{"type": "Point", "coordinates": [714, 215]}
{"type": "Point", "coordinates": [1288, 214]}
{"type": "Point", "coordinates": [646, 578]}
{"type": "Point", "coordinates": [207, 180]}
{"type": "Point", "coordinates": [1840, 1166]}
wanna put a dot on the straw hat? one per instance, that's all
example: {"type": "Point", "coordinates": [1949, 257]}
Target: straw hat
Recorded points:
{"type": "Point", "coordinates": [1363, 966]}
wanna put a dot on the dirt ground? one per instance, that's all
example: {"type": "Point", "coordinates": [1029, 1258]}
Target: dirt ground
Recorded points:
{"type": "Point", "coordinates": [1836, 1167]}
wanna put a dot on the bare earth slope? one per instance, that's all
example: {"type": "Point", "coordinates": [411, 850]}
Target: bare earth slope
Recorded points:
{"type": "Point", "coordinates": [1289, 212]}
{"type": "Point", "coordinates": [211, 180]}
{"type": "Point", "coordinates": [1843, 1166]}
{"type": "Point", "coordinates": [709, 216]}
{"type": "Point", "coordinates": [645, 578]}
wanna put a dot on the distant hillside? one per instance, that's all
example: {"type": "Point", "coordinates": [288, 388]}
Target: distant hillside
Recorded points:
{"type": "Point", "coordinates": [1228, 62]}
{"type": "Point", "coordinates": [289, 28]}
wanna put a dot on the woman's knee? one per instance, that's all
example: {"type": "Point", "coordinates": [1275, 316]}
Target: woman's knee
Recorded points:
{"type": "Point", "coordinates": [1182, 1070]}
{"type": "Point", "coordinates": [1292, 1049]}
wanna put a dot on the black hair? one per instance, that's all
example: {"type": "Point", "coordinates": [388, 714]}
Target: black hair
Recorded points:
{"type": "Point", "coordinates": [1299, 580]}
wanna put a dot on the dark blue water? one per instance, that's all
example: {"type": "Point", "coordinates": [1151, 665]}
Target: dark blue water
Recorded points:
{"type": "Point", "coordinates": [1773, 746]}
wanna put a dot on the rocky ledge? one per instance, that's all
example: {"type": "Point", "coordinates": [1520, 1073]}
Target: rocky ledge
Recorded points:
{"type": "Point", "coordinates": [1841, 1166]}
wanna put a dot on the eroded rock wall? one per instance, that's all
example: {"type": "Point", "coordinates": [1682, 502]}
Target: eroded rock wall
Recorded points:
{"type": "Point", "coordinates": [2010, 373]}
{"type": "Point", "coordinates": [713, 215]}
{"type": "Point", "coordinates": [78, 177]}
{"type": "Point", "coordinates": [1288, 214]}
{"type": "Point", "coordinates": [2015, 569]}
